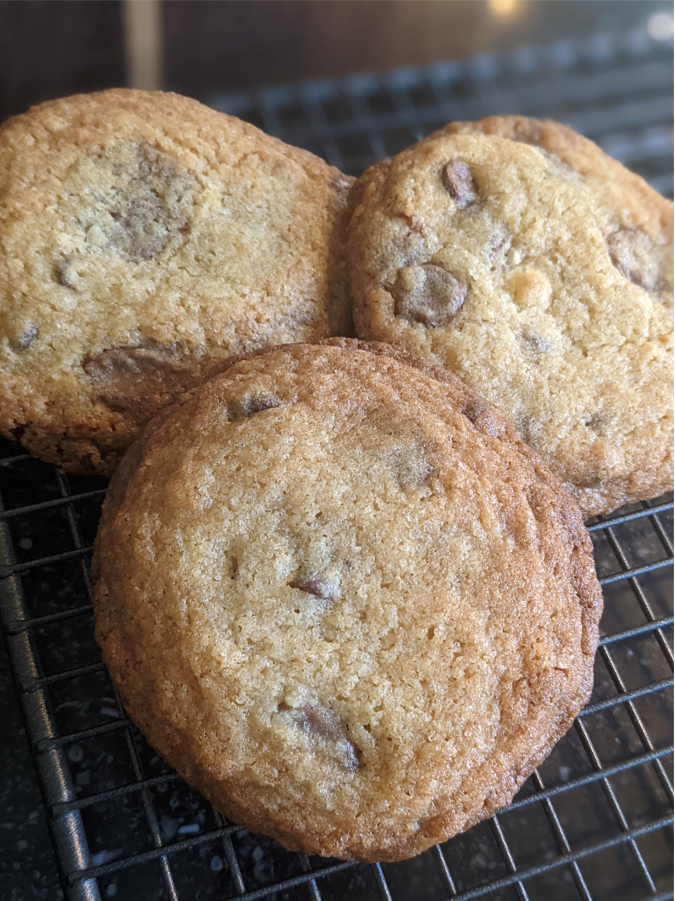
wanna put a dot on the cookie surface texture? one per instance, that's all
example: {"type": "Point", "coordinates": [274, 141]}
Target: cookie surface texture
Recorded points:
{"type": "Point", "coordinates": [343, 600]}
{"type": "Point", "coordinates": [540, 271]}
{"type": "Point", "coordinates": [143, 237]}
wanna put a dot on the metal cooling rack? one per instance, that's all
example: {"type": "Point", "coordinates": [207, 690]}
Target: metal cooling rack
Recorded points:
{"type": "Point", "coordinates": [594, 822]}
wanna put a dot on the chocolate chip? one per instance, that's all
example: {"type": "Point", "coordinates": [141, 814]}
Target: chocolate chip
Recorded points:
{"type": "Point", "coordinates": [245, 407]}
{"type": "Point", "coordinates": [64, 273]}
{"type": "Point", "coordinates": [25, 340]}
{"type": "Point", "coordinates": [459, 182]}
{"type": "Point", "coordinates": [427, 294]}
{"type": "Point", "coordinates": [633, 254]}
{"type": "Point", "coordinates": [313, 585]}
{"type": "Point", "coordinates": [138, 381]}
{"type": "Point", "coordinates": [325, 723]}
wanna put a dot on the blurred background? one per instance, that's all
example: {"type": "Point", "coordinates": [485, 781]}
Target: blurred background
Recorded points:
{"type": "Point", "coordinates": [51, 48]}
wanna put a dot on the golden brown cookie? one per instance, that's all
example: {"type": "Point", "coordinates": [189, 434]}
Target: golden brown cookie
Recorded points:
{"type": "Point", "coordinates": [143, 237]}
{"type": "Point", "coordinates": [343, 599]}
{"type": "Point", "coordinates": [540, 271]}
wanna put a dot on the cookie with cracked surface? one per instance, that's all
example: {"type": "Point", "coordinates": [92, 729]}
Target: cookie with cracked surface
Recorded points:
{"type": "Point", "coordinates": [540, 271]}
{"type": "Point", "coordinates": [145, 237]}
{"type": "Point", "coordinates": [343, 599]}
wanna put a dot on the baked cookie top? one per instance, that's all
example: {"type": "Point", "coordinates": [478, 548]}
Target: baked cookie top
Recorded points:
{"type": "Point", "coordinates": [144, 236]}
{"type": "Point", "coordinates": [343, 599]}
{"type": "Point", "coordinates": [539, 270]}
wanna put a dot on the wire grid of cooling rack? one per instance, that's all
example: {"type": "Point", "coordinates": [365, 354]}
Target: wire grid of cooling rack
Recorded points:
{"type": "Point", "coordinates": [594, 822]}
{"type": "Point", "coordinates": [616, 89]}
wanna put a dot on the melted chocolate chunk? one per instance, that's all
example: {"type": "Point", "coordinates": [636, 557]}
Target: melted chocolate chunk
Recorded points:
{"type": "Point", "coordinates": [427, 294]}
{"type": "Point", "coordinates": [402, 447]}
{"type": "Point", "coordinates": [634, 255]}
{"type": "Point", "coordinates": [151, 205]}
{"type": "Point", "coordinates": [459, 182]}
{"type": "Point", "coordinates": [138, 381]}
{"type": "Point", "coordinates": [245, 407]}
{"type": "Point", "coordinates": [326, 724]}
{"type": "Point", "coordinates": [313, 585]}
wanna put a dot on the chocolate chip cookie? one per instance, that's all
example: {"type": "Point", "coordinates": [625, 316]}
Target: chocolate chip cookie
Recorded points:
{"type": "Point", "coordinates": [145, 237]}
{"type": "Point", "coordinates": [343, 599]}
{"type": "Point", "coordinates": [540, 271]}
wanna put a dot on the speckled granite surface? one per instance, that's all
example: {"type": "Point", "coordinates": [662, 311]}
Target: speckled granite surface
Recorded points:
{"type": "Point", "coordinates": [27, 864]}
